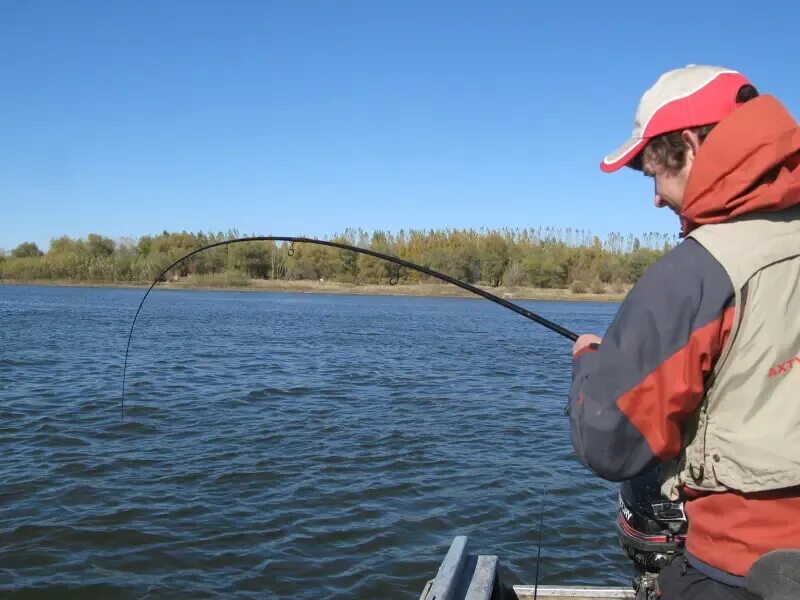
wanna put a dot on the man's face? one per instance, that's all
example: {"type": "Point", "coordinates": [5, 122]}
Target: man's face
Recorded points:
{"type": "Point", "coordinates": [670, 185]}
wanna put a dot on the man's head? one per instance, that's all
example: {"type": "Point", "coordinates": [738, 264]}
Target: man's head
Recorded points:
{"type": "Point", "coordinates": [672, 121]}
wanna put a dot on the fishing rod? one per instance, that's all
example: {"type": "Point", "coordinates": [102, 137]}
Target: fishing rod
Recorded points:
{"type": "Point", "coordinates": [387, 257]}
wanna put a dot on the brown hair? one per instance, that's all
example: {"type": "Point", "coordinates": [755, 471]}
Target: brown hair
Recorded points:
{"type": "Point", "coordinates": [669, 149]}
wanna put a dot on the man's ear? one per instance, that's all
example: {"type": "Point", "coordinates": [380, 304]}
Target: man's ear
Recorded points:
{"type": "Point", "coordinates": [691, 139]}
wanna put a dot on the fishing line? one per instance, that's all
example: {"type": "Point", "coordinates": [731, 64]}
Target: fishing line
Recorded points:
{"type": "Point", "coordinates": [539, 548]}
{"type": "Point", "coordinates": [394, 278]}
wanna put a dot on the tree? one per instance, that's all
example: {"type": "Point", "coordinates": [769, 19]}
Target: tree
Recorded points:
{"type": "Point", "coordinates": [300, 265]}
{"type": "Point", "coordinates": [63, 245]}
{"type": "Point", "coordinates": [26, 250]}
{"type": "Point", "coordinates": [346, 263]}
{"type": "Point", "coordinates": [253, 258]}
{"type": "Point", "coordinates": [373, 270]}
{"type": "Point", "coordinates": [97, 245]}
{"type": "Point", "coordinates": [494, 258]}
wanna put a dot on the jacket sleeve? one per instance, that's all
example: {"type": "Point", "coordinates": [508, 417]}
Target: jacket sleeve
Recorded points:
{"type": "Point", "coordinates": [631, 396]}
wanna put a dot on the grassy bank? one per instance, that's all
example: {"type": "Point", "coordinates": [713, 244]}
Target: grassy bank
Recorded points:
{"type": "Point", "coordinates": [236, 282]}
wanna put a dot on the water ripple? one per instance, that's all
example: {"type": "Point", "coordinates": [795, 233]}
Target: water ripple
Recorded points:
{"type": "Point", "coordinates": [262, 458]}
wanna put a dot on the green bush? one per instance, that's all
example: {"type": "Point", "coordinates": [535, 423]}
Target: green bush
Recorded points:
{"type": "Point", "coordinates": [26, 250]}
{"type": "Point", "coordinates": [578, 287]}
{"type": "Point", "coordinates": [598, 287]}
{"type": "Point", "coordinates": [237, 279]}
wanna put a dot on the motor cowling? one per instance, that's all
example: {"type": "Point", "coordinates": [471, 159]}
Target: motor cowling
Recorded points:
{"type": "Point", "coordinates": [651, 528]}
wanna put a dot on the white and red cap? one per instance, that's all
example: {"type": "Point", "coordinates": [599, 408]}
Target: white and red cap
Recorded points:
{"type": "Point", "coordinates": [692, 96]}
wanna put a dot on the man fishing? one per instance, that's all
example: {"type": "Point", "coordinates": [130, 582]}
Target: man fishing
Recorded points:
{"type": "Point", "coordinates": [700, 369]}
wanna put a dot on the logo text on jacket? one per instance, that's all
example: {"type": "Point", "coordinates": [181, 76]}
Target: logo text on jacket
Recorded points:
{"type": "Point", "coordinates": [784, 367]}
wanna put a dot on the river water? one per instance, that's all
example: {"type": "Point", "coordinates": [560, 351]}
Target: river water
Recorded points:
{"type": "Point", "coordinates": [287, 445]}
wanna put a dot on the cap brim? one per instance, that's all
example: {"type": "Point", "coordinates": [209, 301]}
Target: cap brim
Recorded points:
{"type": "Point", "coordinates": [623, 155]}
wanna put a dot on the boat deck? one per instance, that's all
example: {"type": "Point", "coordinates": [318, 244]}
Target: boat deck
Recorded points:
{"type": "Point", "coordinates": [526, 592]}
{"type": "Point", "coordinates": [462, 576]}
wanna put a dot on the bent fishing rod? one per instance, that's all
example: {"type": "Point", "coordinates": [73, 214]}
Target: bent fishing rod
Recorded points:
{"type": "Point", "coordinates": [380, 255]}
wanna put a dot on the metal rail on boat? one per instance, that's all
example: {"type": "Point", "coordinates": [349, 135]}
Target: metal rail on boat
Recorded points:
{"type": "Point", "coordinates": [464, 576]}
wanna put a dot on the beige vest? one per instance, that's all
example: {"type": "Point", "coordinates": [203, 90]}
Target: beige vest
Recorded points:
{"type": "Point", "coordinates": [746, 433]}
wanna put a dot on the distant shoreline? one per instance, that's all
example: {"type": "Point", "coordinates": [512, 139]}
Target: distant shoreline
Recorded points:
{"type": "Point", "coordinates": [430, 290]}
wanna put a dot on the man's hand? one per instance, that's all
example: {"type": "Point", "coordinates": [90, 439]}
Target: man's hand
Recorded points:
{"type": "Point", "coordinates": [585, 342]}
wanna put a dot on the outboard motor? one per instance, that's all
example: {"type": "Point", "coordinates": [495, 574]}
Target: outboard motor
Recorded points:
{"type": "Point", "coordinates": [651, 529]}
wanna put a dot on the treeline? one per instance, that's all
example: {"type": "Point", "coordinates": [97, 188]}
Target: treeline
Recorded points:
{"type": "Point", "coordinates": [543, 257]}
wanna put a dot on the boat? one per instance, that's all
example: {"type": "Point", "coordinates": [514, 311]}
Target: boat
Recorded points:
{"type": "Point", "coordinates": [465, 576]}
{"type": "Point", "coordinates": [651, 530]}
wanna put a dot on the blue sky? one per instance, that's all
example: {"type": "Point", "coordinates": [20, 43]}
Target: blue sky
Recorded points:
{"type": "Point", "coordinates": [127, 118]}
